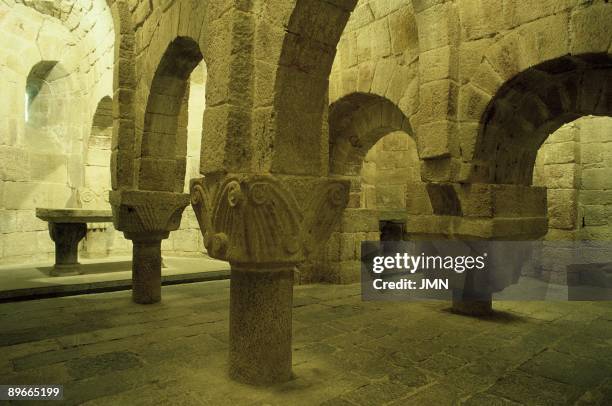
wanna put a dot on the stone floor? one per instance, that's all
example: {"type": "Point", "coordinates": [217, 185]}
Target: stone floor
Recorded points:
{"type": "Point", "coordinates": [107, 351]}
{"type": "Point", "coordinates": [99, 274]}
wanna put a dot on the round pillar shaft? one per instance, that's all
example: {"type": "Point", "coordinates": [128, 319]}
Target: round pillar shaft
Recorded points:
{"type": "Point", "coordinates": [146, 271]}
{"type": "Point", "coordinates": [472, 301]}
{"type": "Point", "coordinates": [260, 325]}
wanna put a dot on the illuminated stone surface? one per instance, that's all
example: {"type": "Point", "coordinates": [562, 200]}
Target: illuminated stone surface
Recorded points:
{"type": "Point", "coordinates": [262, 114]}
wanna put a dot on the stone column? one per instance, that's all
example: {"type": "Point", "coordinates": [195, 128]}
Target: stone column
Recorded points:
{"type": "Point", "coordinates": [470, 301]}
{"type": "Point", "coordinates": [492, 212]}
{"type": "Point", "coordinates": [261, 302]}
{"type": "Point", "coordinates": [147, 218]}
{"type": "Point", "coordinates": [66, 237]}
{"type": "Point", "coordinates": [146, 267]}
{"type": "Point", "coordinates": [256, 224]}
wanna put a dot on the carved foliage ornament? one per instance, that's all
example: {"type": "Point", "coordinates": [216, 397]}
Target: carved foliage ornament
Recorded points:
{"type": "Point", "coordinates": [256, 219]}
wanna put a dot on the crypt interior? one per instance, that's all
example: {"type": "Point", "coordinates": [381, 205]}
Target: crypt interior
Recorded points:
{"type": "Point", "coordinates": [185, 186]}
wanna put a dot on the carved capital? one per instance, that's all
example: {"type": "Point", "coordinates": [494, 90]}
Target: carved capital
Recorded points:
{"type": "Point", "coordinates": [140, 212]}
{"type": "Point", "coordinates": [265, 219]}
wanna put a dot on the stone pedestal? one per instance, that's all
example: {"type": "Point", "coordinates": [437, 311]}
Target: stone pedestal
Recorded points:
{"type": "Point", "coordinates": [66, 237]}
{"type": "Point", "coordinates": [67, 227]}
{"type": "Point", "coordinates": [261, 302]}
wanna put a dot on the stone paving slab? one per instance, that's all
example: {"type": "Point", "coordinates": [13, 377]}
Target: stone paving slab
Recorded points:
{"type": "Point", "coordinates": [106, 350]}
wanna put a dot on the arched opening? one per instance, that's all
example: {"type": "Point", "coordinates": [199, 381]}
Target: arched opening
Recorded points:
{"type": "Point", "coordinates": [356, 123]}
{"type": "Point", "coordinates": [187, 241]}
{"type": "Point", "coordinates": [372, 147]}
{"type": "Point", "coordinates": [37, 109]}
{"type": "Point", "coordinates": [196, 107]}
{"type": "Point", "coordinates": [48, 91]}
{"type": "Point", "coordinates": [172, 134]}
{"type": "Point", "coordinates": [163, 150]}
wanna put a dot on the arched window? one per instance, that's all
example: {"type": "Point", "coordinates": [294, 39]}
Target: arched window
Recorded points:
{"type": "Point", "coordinates": [103, 118]}
{"type": "Point", "coordinates": [164, 140]}
{"type": "Point", "coordinates": [38, 93]}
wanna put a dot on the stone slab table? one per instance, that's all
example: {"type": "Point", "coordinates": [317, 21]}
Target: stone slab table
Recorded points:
{"type": "Point", "coordinates": [67, 227]}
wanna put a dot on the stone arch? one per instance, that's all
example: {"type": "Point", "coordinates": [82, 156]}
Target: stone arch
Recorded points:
{"type": "Point", "coordinates": [164, 138]}
{"type": "Point", "coordinates": [357, 122]}
{"type": "Point", "coordinates": [302, 84]}
{"type": "Point", "coordinates": [573, 31]}
{"type": "Point", "coordinates": [534, 104]}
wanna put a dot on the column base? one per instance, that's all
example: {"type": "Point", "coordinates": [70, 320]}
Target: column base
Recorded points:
{"type": "Point", "coordinates": [476, 308]}
{"type": "Point", "coordinates": [66, 270]}
{"type": "Point", "coordinates": [260, 325]}
{"type": "Point", "coordinates": [472, 304]}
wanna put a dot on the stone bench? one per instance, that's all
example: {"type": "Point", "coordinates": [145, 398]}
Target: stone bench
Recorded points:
{"type": "Point", "coordinates": [67, 227]}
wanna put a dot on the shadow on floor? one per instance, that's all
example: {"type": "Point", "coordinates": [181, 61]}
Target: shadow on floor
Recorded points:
{"type": "Point", "coordinates": [498, 316]}
{"type": "Point", "coordinates": [96, 268]}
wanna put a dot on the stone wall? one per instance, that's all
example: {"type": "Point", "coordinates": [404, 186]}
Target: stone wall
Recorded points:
{"type": "Point", "coordinates": [101, 238]}
{"type": "Point", "coordinates": [557, 168]}
{"type": "Point", "coordinates": [339, 259]}
{"type": "Point", "coordinates": [595, 195]}
{"type": "Point", "coordinates": [377, 54]}
{"type": "Point", "coordinates": [390, 172]}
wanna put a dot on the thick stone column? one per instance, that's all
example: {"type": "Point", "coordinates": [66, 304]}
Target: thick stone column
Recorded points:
{"type": "Point", "coordinates": [256, 223]}
{"type": "Point", "coordinates": [66, 237]}
{"type": "Point", "coordinates": [261, 302]}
